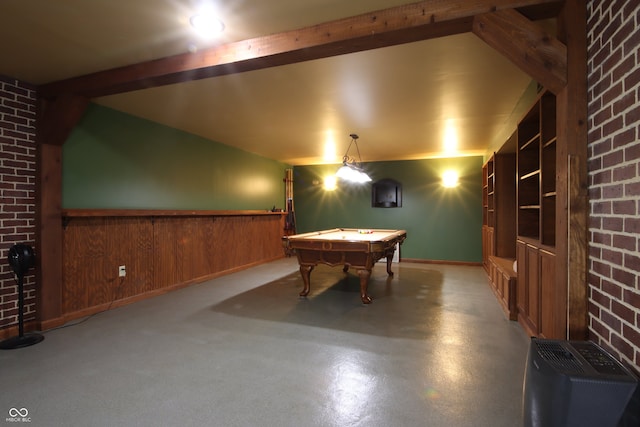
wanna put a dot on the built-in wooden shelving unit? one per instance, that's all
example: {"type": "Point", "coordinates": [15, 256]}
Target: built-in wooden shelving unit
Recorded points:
{"type": "Point", "coordinates": [499, 227]}
{"type": "Point", "coordinates": [536, 179]}
{"type": "Point", "coordinates": [519, 182]}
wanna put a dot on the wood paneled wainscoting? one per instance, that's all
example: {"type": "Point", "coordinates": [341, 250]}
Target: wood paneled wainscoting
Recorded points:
{"type": "Point", "coordinates": [161, 250]}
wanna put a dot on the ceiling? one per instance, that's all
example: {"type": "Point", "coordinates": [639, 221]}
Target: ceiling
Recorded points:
{"type": "Point", "coordinates": [403, 101]}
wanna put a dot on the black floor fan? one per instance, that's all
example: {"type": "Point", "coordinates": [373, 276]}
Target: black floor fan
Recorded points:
{"type": "Point", "coordinates": [21, 259]}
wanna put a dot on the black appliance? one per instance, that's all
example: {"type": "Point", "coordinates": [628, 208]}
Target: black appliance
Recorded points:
{"type": "Point", "coordinates": [574, 383]}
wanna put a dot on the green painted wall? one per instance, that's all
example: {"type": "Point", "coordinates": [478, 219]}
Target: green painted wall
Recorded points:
{"type": "Point", "coordinates": [442, 223]}
{"type": "Point", "coordinates": [113, 160]}
{"type": "Point", "coordinates": [117, 161]}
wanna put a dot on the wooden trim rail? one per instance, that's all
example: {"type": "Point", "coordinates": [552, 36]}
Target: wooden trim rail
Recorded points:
{"type": "Point", "coordinates": [83, 213]}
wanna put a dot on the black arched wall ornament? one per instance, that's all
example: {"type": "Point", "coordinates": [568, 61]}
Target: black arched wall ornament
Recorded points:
{"type": "Point", "coordinates": [21, 259]}
{"type": "Point", "coordinates": [386, 193]}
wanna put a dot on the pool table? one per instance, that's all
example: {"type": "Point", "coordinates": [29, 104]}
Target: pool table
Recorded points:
{"type": "Point", "coordinates": [349, 247]}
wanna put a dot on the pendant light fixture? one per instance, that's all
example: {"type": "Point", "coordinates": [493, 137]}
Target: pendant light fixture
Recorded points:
{"type": "Point", "coordinates": [351, 169]}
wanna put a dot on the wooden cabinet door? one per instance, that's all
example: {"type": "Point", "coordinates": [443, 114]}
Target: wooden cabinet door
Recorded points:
{"type": "Point", "coordinates": [533, 291]}
{"type": "Point", "coordinates": [487, 245]}
{"type": "Point", "coordinates": [528, 287]}
{"type": "Point", "coordinates": [521, 265]}
{"type": "Point", "coordinates": [552, 317]}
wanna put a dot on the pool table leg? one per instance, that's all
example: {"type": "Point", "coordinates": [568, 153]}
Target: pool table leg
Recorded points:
{"type": "Point", "coordinates": [305, 272]}
{"type": "Point", "coordinates": [389, 261]}
{"type": "Point", "coordinates": [364, 281]}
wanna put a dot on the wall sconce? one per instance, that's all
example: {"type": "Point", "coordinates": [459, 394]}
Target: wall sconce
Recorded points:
{"type": "Point", "coordinates": [351, 169]}
{"type": "Point", "coordinates": [329, 183]}
{"type": "Point", "coordinates": [450, 179]}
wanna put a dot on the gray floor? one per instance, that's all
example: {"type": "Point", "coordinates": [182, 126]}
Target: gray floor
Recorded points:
{"type": "Point", "coordinates": [434, 349]}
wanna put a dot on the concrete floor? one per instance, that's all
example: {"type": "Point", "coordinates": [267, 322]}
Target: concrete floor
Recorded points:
{"type": "Point", "coordinates": [433, 349]}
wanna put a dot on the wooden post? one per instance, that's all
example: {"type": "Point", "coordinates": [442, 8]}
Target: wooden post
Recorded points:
{"type": "Point", "coordinates": [572, 185]}
{"type": "Point", "coordinates": [55, 120]}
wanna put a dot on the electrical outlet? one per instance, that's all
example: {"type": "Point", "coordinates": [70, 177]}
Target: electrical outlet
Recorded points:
{"type": "Point", "coordinates": [122, 271]}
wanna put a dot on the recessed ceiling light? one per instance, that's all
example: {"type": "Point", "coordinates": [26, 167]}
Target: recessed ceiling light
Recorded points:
{"type": "Point", "coordinates": [206, 24]}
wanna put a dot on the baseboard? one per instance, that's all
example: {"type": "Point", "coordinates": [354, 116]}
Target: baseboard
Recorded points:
{"type": "Point", "coordinates": [445, 262]}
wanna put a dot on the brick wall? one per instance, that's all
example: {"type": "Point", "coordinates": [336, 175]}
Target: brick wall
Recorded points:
{"type": "Point", "coordinates": [614, 178]}
{"type": "Point", "coordinates": [17, 187]}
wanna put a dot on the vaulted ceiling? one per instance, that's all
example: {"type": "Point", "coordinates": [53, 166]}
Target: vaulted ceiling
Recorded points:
{"type": "Point", "coordinates": [404, 95]}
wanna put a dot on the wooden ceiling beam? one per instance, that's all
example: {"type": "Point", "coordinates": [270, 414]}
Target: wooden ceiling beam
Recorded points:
{"type": "Point", "coordinates": [528, 46]}
{"type": "Point", "coordinates": [58, 116]}
{"type": "Point", "coordinates": [397, 25]}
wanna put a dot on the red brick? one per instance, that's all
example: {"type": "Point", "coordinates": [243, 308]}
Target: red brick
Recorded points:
{"type": "Point", "coordinates": [594, 134]}
{"type": "Point", "coordinates": [612, 322]}
{"type": "Point", "coordinates": [621, 345]}
{"type": "Point", "coordinates": [612, 25]}
{"type": "Point", "coordinates": [602, 147]}
{"type": "Point", "coordinates": [632, 189]}
{"type": "Point", "coordinates": [600, 329]}
{"type": "Point", "coordinates": [632, 79]}
{"type": "Point", "coordinates": [598, 237]}
{"type": "Point", "coordinates": [627, 101]}
{"type": "Point", "coordinates": [600, 56]}
{"type": "Point", "coordinates": [632, 152]}
{"type": "Point", "coordinates": [602, 269]}
{"type": "Point", "coordinates": [612, 158]}
{"type": "Point", "coordinates": [594, 281]}
{"type": "Point", "coordinates": [603, 207]}
{"type": "Point", "coordinates": [612, 93]}
{"type": "Point", "coordinates": [7, 125]}
{"type": "Point", "coordinates": [613, 126]}
{"type": "Point", "coordinates": [624, 242]}
{"type": "Point", "coordinates": [612, 256]}
{"type": "Point", "coordinates": [632, 262]}
{"type": "Point", "coordinates": [624, 207]}
{"type": "Point", "coordinates": [623, 34]}
{"type": "Point", "coordinates": [631, 334]}
{"type": "Point", "coordinates": [632, 225]}
{"type": "Point", "coordinates": [623, 173]}
{"type": "Point", "coordinates": [593, 311]}
{"type": "Point", "coordinates": [15, 104]}
{"type": "Point", "coordinates": [595, 193]}
{"type": "Point", "coordinates": [623, 312]}
{"type": "Point", "coordinates": [623, 68]}
{"type": "Point", "coordinates": [612, 289]}
{"type": "Point", "coordinates": [603, 115]}
{"type": "Point", "coordinates": [633, 116]}
{"type": "Point", "coordinates": [623, 276]}
{"type": "Point", "coordinates": [633, 299]}
{"type": "Point", "coordinates": [601, 299]}
{"type": "Point", "coordinates": [613, 224]}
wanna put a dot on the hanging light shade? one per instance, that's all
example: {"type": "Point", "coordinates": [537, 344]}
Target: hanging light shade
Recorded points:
{"type": "Point", "coordinates": [351, 169]}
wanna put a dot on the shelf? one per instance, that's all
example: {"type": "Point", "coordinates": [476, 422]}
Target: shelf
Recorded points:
{"type": "Point", "coordinates": [530, 175]}
{"type": "Point", "coordinates": [536, 171]}
{"type": "Point", "coordinates": [529, 223]}
{"type": "Point", "coordinates": [530, 142]}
